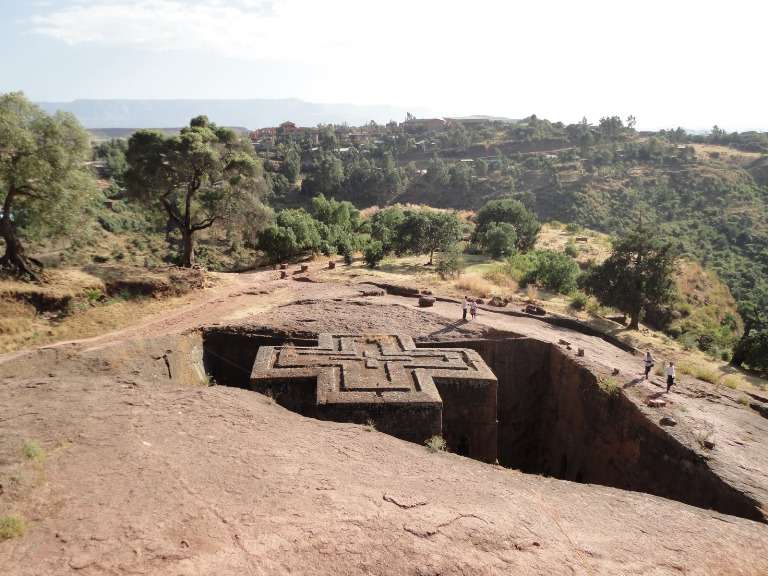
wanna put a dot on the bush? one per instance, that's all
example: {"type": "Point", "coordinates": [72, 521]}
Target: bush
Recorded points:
{"type": "Point", "coordinates": [499, 239]}
{"type": "Point", "coordinates": [449, 263]}
{"type": "Point", "coordinates": [33, 451]}
{"type": "Point", "coordinates": [513, 212]}
{"type": "Point", "coordinates": [436, 444]}
{"type": "Point", "coordinates": [571, 249]}
{"type": "Point", "coordinates": [553, 271]}
{"type": "Point", "coordinates": [374, 253]}
{"type": "Point", "coordinates": [579, 301]}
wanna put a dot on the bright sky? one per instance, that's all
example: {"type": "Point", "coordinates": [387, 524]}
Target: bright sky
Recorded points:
{"type": "Point", "coordinates": [669, 62]}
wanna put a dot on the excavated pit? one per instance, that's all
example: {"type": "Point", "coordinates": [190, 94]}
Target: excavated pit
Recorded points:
{"type": "Point", "coordinates": [553, 419]}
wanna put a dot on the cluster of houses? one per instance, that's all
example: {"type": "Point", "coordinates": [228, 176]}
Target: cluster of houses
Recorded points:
{"type": "Point", "coordinates": [369, 134]}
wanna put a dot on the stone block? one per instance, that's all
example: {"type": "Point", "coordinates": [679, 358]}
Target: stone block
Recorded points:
{"type": "Point", "coordinates": [412, 393]}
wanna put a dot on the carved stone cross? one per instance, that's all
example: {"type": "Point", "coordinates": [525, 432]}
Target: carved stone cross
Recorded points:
{"type": "Point", "coordinates": [412, 393]}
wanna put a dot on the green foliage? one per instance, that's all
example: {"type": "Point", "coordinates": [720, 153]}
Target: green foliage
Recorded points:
{"type": "Point", "coordinates": [278, 243]}
{"type": "Point", "coordinates": [637, 274]}
{"type": "Point", "coordinates": [197, 177]}
{"type": "Point", "coordinates": [499, 239]}
{"type": "Point", "coordinates": [579, 301]}
{"type": "Point", "coordinates": [551, 270]}
{"type": "Point", "coordinates": [449, 263]}
{"type": "Point", "coordinates": [112, 153]}
{"type": "Point", "coordinates": [571, 249]}
{"type": "Point", "coordinates": [554, 271]}
{"type": "Point", "coordinates": [33, 451]}
{"type": "Point", "coordinates": [385, 226]}
{"type": "Point", "coordinates": [610, 386]}
{"type": "Point", "coordinates": [334, 229]}
{"type": "Point", "coordinates": [753, 350]}
{"type": "Point", "coordinates": [512, 212]}
{"type": "Point", "coordinates": [44, 180]}
{"type": "Point", "coordinates": [291, 167]}
{"type": "Point", "coordinates": [374, 253]}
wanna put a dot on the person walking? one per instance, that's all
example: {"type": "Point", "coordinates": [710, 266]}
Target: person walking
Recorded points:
{"type": "Point", "coordinates": [473, 309]}
{"type": "Point", "coordinates": [649, 362]}
{"type": "Point", "coordinates": [464, 308]}
{"type": "Point", "coordinates": [670, 375]}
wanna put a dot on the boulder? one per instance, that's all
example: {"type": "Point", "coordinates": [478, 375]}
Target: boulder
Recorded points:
{"type": "Point", "coordinates": [283, 274]}
{"type": "Point", "coordinates": [667, 421]}
{"type": "Point", "coordinates": [331, 265]}
{"type": "Point", "coordinates": [370, 290]}
{"type": "Point", "coordinates": [656, 402]}
{"type": "Point", "coordinates": [534, 309]}
{"type": "Point", "coordinates": [283, 266]}
{"type": "Point", "coordinates": [426, 301]}
{"type": "Point", "coordinates": [498, 301]}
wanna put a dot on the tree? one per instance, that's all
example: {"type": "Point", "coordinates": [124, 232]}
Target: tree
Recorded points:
{"type": "Point", "coordinates": [443, 231]}
{"type": "Point", "coordinates": [637, 275]}
{"type": "Point", "coordinates": [374, 253]}
{"type": "Point", "coordinates": [554, 271]}
{"type": "Point", "coordinates": [752, 348]}
{"type": "Point", "coordinates": [385, 225]}
{"type": "Point", "coordinates": [194, 176]}
{"type": "Point", "coordinates": [291, 167]}
{"type": "Point", "coordinates": [43, 176]}
{"type": "Point", "coordinates": [427, 231]}
{"type": "Point", "coordinates": [278, 243]}
{"type": "Point", "coordinates": [512, 212]}
{"type": "Point", "coordinates": [499, 239]}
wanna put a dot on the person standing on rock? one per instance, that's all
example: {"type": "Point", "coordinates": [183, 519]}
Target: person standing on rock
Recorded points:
{"type": "Point", "coordinates": [670, 375]}
{"type": "Point", "coordinates": [464, 308]}
{"type": "Point", "coordinates": [649, 362]}
{"type": "Point", "coordinates": [473, 309]}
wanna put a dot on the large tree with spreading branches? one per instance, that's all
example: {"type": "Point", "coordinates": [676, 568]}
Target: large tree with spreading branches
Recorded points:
{"type": "Point", "coordinates": [197, 177]}
{"type": "Point", "coordinates": [43, 178]}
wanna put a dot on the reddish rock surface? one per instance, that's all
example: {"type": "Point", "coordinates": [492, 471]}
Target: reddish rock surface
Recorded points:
{"type": "Point", "coordinates": [150, 471]}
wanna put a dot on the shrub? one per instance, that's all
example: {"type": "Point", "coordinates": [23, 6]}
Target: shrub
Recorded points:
{"type": "Point", "coordinates": [374, 253]}
{"type": "Point", "coordinates": [436, 444]}
{"type": "Point", "coordinates": [572, 227]}
{"type": "Point", "coordinates": [571, 249]}
{"type": "Point", "coordinates": [609, 385]}
{"type": "Point", "coordinates": [732, 381]}
{"type": "Point", "coordinates": [449, 263]}
{"type": "Point", "coordinates": [33, 451]}
{"type": "Point", "coordinates": [554, 271]}
{"type": "Point", "coordinates": [499, 239]}
{"type": "Point", "coordinates": [11, 527]}
{"type": "Point", "coordinates": [579, 301]}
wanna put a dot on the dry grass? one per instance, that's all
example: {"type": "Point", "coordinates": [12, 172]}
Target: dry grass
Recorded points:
{"type": "Point", "coordinates": [609, 385]}
{"type": "Point", "coordinates": [700, 371]}
{"type": "Point", "coordinates": [436, 444]}
{"type": "Point", "coordinates": [72, 304]}
{"type": "Point", "coordinates": [475, 285]}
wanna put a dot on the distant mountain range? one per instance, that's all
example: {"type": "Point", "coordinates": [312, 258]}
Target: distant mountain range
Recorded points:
{"type": "Point", "coordinates": [253, 113]}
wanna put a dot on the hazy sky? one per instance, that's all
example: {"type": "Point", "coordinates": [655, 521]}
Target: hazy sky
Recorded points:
{"type": "Point", "coordinates": [670, 62]}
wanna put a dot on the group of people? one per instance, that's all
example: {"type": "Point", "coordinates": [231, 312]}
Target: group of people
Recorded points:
{"type": "Point", "coordinates": [469, 306]}
{"type": "Point", "coordinates": [650, 361]}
